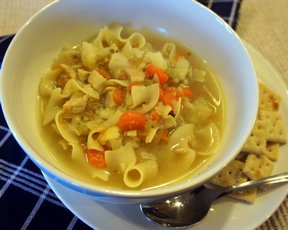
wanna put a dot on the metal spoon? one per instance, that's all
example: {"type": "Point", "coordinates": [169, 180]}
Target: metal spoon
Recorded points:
{"type": "Point", "coordinates": [190, 207]}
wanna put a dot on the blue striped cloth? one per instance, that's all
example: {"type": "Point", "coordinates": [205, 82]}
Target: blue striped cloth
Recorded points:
{"type": "Point", "coordinates": [26, 200]}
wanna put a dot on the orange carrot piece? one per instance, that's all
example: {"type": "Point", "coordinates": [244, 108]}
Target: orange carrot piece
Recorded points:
{"type": "Point", "coordinates": [160, 73]}
{"type": "Point", "coordinates": [142, 137]}
{"type": "Point", "coordinates": [170, 94]}
{"type": "Point", "coordinates": [162, 76]}
{"type": "Point", "coordinates": [58, 67]}
{"type": "Point", "coordinates": [155, 116]}
{"type": "Point", "coordinates": [150, 70]}
{"type": "Point", "coordinates": [96, 158]}
{"type": "Point", "coordinates": [118, 96]}
{"type": "Point", "coordinates": [165, 137]}
{"type": "Point", "coordinates": [187, 92]}
{"type": "Point", "coordinates": [168, 98]}
{"type": "Point", "coordinates": [104, 73]}
{"type": "Point", "coordinates": [131, 120]}
{"type": "Point", "coordinates": [161, 136]}
{"type": "Point", "coordinates": [62, 80]}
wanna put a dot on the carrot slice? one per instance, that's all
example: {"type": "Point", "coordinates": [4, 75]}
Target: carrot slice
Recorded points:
{"type": "Point", "coordinates": [165, 137]}
{"type": "Point", "coordinates": [152, 70]}
{"type": "Point", "coordinates": [162, 76]}
{"type": "Point", "coordinates": [118, 96]}
{"type": "Point", "coordinates": [62, 80]}
{"type": "Point", "coordinates": [187, 92]}
{"type": "Point", "coordinates": [132, 120]}
{"type": "Point", "coordinates": [96, 158]}
{"type": "Point", "coordinates": [170, 94]}
{"type": "Point", "coordinates": [58, 67]}
{"type": "Point", "coordinates": [104, 73]}
{"type": "Point", "coordinates": [155, 116]}
{"type": "Point", "coordinates": [161, 136]}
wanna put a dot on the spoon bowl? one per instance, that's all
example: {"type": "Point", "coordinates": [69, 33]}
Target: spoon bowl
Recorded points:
{"type": "Point", "coordinates": [190, 207]}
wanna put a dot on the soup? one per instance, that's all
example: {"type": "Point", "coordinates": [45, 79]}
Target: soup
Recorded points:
{"type": "Point", "coordinates": [127, 113]}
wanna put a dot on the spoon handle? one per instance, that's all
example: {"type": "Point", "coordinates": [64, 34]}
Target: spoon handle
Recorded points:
{"type": "Point", "coordinates": [279, 178]}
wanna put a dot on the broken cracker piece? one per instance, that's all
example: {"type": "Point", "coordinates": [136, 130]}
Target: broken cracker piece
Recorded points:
{"type": "Point", "coordinates": [232, 174]}
{"type": "Point", "coordinates": [249, 195]}
{"type": "Point", "coordinates": [257, 166]}
{"type": "Point", "coordinates": [272, 151]}
{"type": "Point", "coordinates": [269, 100]}
{"type": "Point", "coordinates": [256, 142]}
{"type": "Point", "coordinates": [273, 123]}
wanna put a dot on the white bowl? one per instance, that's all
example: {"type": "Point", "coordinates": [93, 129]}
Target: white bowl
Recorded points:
{"type": "Point", "coordinates": [69, 22]}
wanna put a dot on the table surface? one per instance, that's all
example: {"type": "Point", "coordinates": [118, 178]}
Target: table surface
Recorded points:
{"type": "Point", "coordinates": [262, 23]}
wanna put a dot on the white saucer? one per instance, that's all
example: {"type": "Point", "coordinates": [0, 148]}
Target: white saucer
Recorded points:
{"type": "Point", "coordinates": [225, 213]}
